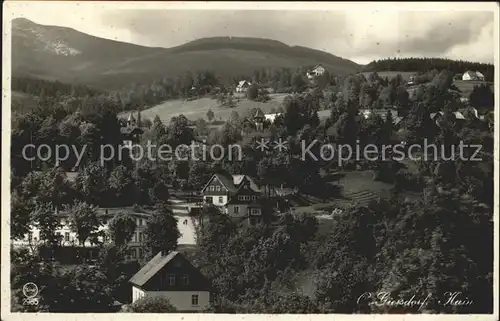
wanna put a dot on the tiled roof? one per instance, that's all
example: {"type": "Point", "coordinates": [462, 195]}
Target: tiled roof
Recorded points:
{"type": "Point", "coordinates": [152, 267]}
{"type": "Point", "coordinates": [231, 183]}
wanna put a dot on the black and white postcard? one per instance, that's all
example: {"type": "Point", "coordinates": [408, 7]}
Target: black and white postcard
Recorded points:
{"type": "Point", "coordinates": [206, 160]}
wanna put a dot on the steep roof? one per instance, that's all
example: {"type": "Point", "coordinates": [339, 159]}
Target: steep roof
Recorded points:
{"type": "Point", "coordinates": [241, 83]}
{"type": "Point", "coordinates": [259, 113]}
{"type": "Point", "coordinates": [238, 179]}
{"type": "Point", "coordinates": [152, 267]}
{"type": "Point", "coordinates": [231, 183]}
{"type": "Point", "coordinates": [130, 129]}
{"type": "Point", "coordinates": [474, 74]}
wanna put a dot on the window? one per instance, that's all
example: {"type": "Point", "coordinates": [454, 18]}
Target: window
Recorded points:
{"type": "Point", "coordinates": [134, 254]}
{"type": "Point", "coordinates": [255, 211]}
{"type": "Point", "coordinates": [221, 199]}
{"type": "Point", "coordinates": [66, 236]}
{"type": "Point", "coordinates": [254, 197]}
{"type": "Point", "coordinates": [140, 237]}
{"type": "Point", "coordinates": [240, 198]}
{"type": "Point", "coordinates": [211, 188]}
{"type": "Point", "coordinates": [194, 299]}
{"type": "Point", "coordinates": [236, 209]}
{"type": "Point", "coordinates": [135, 237]}
{"type": "Point", "coordinates": [141, 253]}
{"type": "Point", "coordinates": [217, 188]}
{"type": "Point", "coordinates": [185, 279]}
{"type": "Point", "coordinates": [142, 221]}
{"type": "Point", "coordinates": [171, 279]}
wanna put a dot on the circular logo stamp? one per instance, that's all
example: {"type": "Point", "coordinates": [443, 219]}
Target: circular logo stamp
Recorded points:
{"type": "Point", "coordinates": [30, 290]}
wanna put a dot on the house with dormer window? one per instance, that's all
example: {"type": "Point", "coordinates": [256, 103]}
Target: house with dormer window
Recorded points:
{"type": "Point", "coordinates": [237, 195]}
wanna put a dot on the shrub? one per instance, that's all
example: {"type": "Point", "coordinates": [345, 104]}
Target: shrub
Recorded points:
{"type": "Point", "coordinates": [152, 305]}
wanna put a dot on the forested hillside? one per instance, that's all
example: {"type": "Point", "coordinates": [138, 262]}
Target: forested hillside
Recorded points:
{"type": "Point", "coordinates": [426, 64]}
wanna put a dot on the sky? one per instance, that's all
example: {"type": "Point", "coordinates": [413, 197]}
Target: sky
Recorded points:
{"type": "Point", "coordinates": [361, 34]}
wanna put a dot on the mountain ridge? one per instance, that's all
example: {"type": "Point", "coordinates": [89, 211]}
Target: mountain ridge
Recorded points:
{"type": "Point", "coordinates": [68, 55]}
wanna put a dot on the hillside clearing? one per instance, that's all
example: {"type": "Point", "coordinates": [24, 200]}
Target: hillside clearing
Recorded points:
{"type": "Point", "coordinates": [198, 108]}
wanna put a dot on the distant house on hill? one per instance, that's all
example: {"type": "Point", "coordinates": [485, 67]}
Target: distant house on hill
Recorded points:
{"type": "Point", "coordinates": [172, 276]}
{"type": "Point", "coordinates": [243, 86]}
{"type": "Point", "coordinates": [473, 75]}
{"type": "Point", "coordinates": [318, 70]}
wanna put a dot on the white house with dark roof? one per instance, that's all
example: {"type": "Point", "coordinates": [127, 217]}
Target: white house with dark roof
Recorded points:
{"type": "Point", "coordinates": [243, 86]}
{"type": "Point", "coordinates": [236, 195]}
{"type": "Point", "coordinates": [318, 70]}
{"type": "Point", "coordinates": [172, 276]}
{"type": "Point", "coordinates": [473, 75]}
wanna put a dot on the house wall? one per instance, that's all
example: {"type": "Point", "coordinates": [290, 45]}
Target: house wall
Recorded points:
{"type": "Point", "coordinates": [242, 210]}
{"type": "Point", "coordinates": [215, 199]}
{"type": "Point", "coordinates": [137, 293]}
{"type": "Point", "coordinates": [182, 299]}
{"type": "Point", "coordinates": [466, 77]}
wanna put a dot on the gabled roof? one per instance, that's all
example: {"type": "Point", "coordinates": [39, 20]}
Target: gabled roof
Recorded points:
{"type": "Point", "coordinates": [241, 83]}
{"type": "Point", "coordinates": [433, 115]}
{"type": "Point", "coordinates": [474, 74]}
{"type": "Point", "coordinates": [130, 130]}
{"type": "Point", "coordinates": [225, 180]}
{"type": "Point", "coordinates": [238, 179]}
{"type": "Point", "coordinates": [152, 267]}
{"type": "Point", "coordinates": [232, 183]}
{"type": "Point", "coordinates": [259, 113]}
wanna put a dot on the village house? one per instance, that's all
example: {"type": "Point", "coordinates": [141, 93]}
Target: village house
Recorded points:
{"type": "Point", "coordinates": [382, 112]}
{"type": "Point", "coordinates": [255, 122]}
{"type": "Point", "coordinates": [411, 80]}
{"type": "Point", "coordinates": [318, 70]}
{"type": "Point", "coordinates": [473, 75]}
{"type": "Point", "coordinates": [172, 276]}
{"type": "Point", "coordinates": [243, 86]}
{"type": "Point", "coordinates": [237, 195]}
{"type": "Point", "coordinates": [132, 131]}
{"type": "Point", "coordinates": [271, 117]}
{"type": "Point", "coordinates": [437, 117]}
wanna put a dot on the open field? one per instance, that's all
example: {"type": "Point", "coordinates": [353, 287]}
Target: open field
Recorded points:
{"type": "Point", "coordinates": [198, 108]}
{"type": "Point", "coordinates": [466, 86]}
